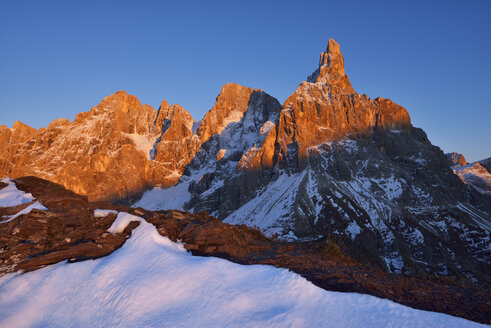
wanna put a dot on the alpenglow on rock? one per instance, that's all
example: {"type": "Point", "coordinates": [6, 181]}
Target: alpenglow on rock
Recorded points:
{"type": "Point", "coordinates": [329, 162]}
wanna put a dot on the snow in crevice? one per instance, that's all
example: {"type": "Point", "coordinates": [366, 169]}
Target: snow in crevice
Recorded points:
{"type": "Point", "coordinates": [474, 214]}
{"type": "Point", "coordinates": [99, 213]}
{"type": "Point", "coordinates": [143, 143]}
{"type": "Point", "coordinates": [11, 196]}
{"type": "Point", "coordinates": [27, 210]}
{"type": "Point", "coordinates": [153, 282]}
{"type": "Point", "coordinates": [353, 229]}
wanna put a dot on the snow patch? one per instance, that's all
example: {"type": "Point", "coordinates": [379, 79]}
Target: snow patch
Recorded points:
{"type": "Point", "coordinates": [98, 213]}
{"type": "Point", "coordinates": [268, 125]}
{"type": "Point", "coordinates": [272, 206]}
{"type": "Point", "coordinates": [143, 142]}
{"type": "Point", "coordinates": [353, 229]}
{"type": "Point", "coordinates": [122, 221]}
{"type": "Point", "coordinates": [172, 198]}
{"type": "Point", "coordinates": [11, 196]}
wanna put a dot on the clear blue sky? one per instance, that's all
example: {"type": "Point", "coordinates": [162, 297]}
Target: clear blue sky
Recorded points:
{"type": "Point", "coordinates": [58, 58]}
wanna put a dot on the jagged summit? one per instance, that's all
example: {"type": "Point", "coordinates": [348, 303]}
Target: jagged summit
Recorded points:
{"type": "Point", "coordinates": [326, 108]}
{"type": "Point", "coordinates": [331, 70]}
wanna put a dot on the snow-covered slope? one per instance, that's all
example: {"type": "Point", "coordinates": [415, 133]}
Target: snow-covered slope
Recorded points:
{"type": "Point", "coordinates": [474, 175]}
{"type": "Point", "coordinates": [153, 282]}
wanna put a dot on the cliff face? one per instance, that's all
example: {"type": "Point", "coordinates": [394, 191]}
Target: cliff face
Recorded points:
{"type": "Point", "coordinates": [326, 108]}
{"type": "Point", "coordinates": [103, 153]}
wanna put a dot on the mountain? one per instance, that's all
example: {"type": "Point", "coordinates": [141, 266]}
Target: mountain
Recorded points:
{"type": "Point", "coordinates": [477, 174]}
{"type": "Point", "coordinates": [328, 164]}
{"type": "Point", "coordinates": [345, 167]}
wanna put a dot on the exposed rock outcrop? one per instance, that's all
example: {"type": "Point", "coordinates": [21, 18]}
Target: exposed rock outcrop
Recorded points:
{"type": "Point", "coordinates": [456, 159]}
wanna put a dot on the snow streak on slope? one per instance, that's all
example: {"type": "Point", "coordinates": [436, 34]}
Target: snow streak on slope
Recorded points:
{"type": "Point", "coordinates": [172, 198]}
{"type": "Point", "coordinates": [153, 282]}
{"type": "Point", "coordinates": [272, 205]}
{"type": "Point", "coordinates": [27, 210]}
{"type": "Point", "coordinates": [11, 196]}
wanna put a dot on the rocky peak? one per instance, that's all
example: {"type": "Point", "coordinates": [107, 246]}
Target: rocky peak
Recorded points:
{"type": "Point", "coordinates": [173, 131]}
{"type": "Point", "coordinates": [230, 106]}
{"type": "Point", "coordinates": [326, 108]}
{"type": "Point", "coordinates": [456, 158]}
{"type": "Point", "coordinates": [331, 70]}
{"type": "Point", "coordinates": [22, 131]}
{"type": "Point", "coordinates": [168, 114]}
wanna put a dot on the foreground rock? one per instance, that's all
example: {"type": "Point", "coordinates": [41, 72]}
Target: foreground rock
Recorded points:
{"type": "Point", "coordinates": [68, 230]}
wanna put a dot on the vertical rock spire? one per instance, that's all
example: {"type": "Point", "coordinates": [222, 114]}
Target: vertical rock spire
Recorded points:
{"type": "Point", "coordinates": [331, 70]}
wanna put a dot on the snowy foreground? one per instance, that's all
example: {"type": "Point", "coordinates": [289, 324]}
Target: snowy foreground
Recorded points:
{"type": "Point", "coordinates": [153, 282]}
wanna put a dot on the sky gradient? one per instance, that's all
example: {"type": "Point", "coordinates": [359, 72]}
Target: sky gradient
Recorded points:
{"type": "Point", "coordinates": [59, 58]}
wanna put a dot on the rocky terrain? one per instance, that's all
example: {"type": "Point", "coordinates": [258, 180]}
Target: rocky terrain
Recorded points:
{"type": "Point", "coordinates": [328, 163]}
{"type": "Point", "coordinates": [66, 226]}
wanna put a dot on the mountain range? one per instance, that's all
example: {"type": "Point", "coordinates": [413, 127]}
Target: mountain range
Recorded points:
{"type": "Point", "coordinates": [327, 164]}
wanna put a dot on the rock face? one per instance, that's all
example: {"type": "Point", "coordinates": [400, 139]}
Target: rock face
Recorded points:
{"type": "Point", "coordinates": [476, 175]}
{"type": "Point", "coordinates": [103, 153]}
{"type": "Point", "coordinates": [326, 108]}
{"type": "Point", "coordinates": [71, 228]}
{"type": "Point", "coordinates": [456, 159]}
{"type": "Point", "coordinates": [486, 163]}
{"type": "Point", "coordinates": [328, 163]}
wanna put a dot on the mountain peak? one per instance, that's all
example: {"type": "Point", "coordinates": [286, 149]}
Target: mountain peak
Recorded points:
{"type": "Point", "coordinates": [333, 47]}
{"type": "Point", "coordinates": [331, 70]}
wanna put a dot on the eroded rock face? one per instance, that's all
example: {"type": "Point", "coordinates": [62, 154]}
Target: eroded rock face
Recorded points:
{"type": "Point", "coordinates": [475, 175]}
{"type": "Point", "coordinates": [106, 153]}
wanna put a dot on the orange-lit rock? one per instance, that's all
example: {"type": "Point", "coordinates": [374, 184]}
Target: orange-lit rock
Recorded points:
{"type": "Point", "coordinates": [326, 108]}
{"type": "Point", "coordinates": [104, 153]}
